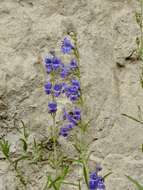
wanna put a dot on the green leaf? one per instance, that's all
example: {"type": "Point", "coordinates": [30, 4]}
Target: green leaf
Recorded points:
{"type": "Point", "coordinates": [106, 175]}
{"type": "Point", "coordinates": [69, 183]}
{"type": "Point", "coordinates": [79, 186]}
{"type": "Point", "coordinates": [85, 173]}
{"type": "Point", "coordinates": [63, 175]}
{"type": "Point", "coordinates": [77, 148]}
{"type": "Point", "coordinates": [47, 183]}
{"type": "Point", "coordinates": [5, 147]}
{"type": "Point", "coordinates": [53, 183]}
{"type": "Point", "coordinates": [19, 159]}
{"type": "Point", "coordinates": [135, 182]}
{"type": "Point", "coordinates": [25, 145]}
{"type": "Point", "coordinates": [130, 117]}
{"type": "Point", "coordinates": [86, 125]}
{"type": "Point", "coordinates": [24, 130]}
{"type": "Point", "coordinates": [138, 18]}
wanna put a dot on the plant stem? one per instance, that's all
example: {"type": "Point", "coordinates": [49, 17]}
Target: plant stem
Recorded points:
{"type": "Point", "coordinates": [18, 174]}
{"type": "Point", "coordinates": [82, 132]}
{"type": "Point", "coordinates": [141, 3]}
{"type": "Point", "coordinates": [54, 143]}
{"type": "Point", "coordinates": [54, 132]}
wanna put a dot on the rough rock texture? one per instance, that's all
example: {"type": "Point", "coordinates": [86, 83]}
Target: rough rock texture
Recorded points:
{"type": "Point", "coordinates": [106, 32]}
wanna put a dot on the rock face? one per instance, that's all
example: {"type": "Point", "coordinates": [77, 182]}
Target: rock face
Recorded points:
{"type": "Point", "coordinates": [106, 32]}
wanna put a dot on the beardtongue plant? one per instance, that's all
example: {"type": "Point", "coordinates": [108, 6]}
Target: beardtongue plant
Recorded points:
{"type": "Point", "coordinates": [65, 80]}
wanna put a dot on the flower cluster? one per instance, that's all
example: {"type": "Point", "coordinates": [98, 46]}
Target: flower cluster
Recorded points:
{"type": "Point", "coordinates": [96, 182]}
{"type": "Point", "coordinates": [71, 119]}
{"type": "Point", "coordinates": [71, 88]}
{"type": "Point", "coordinates": [72, 91]}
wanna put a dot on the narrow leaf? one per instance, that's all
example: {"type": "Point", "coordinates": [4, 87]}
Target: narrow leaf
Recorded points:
{"type": "Point", "coordinates": [85, 174]}
{"type": "Point", "coordinates": [106, 175]}
{"type": "Point", "coordinates": [130, 117]}
{"type": "Point", "coordinates": [25, 145]}
{"type": "Point", "coordinates": [135, 182]}
{"type": "Point", "coordinates": [79, 186]}
{"type": "Point", "coordinates": [19, 159]}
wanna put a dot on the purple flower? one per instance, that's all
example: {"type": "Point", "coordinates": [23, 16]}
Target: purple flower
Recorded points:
{"type": "Point", "coordinates": [65, 71]}
{"type": "Point", "coordinates": [75, 83]}
{"type": "Point", "coordinates": [64, 87]}
{"type": "Point", "coordinates": [64, 131]}
{"type": "Point", "coordinates": [48, 64]}
{"type": "Point", "coordinates": [66, 46]}
{"type": "Point", "coordinates": [73, 116]}
{"type": "Point", "coordinates": [73, 64]}
{"type": "Point", "coordinates": [77, 114]}
{"type": "Point", "coordinates": [93, 184]}
{"type": "Point", "coordinates": [48, 60]}
{"type": "Point", "coordinates": [56, 63]}
{"type": "Point", "coordinates": [93, 175]}
{"type": "Point", "coordinates": [52, 107]}
{"type": "Point", "coordinates": [70, 126]}
{"type": "Point", "coordinates": [57, 89]}
{"type": "Point", "coordinates": [101, 185]}
{"type": "Point", "coordinates": [52, 63]}
{"type": "Point", "coordinates": [72, 92]}
{"type": "Point", "coordinates": [96, 182]}
{"type": "Point", "coordinates": [48, 87]}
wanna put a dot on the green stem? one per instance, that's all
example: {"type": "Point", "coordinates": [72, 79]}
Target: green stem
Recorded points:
{"type": "Point", "coordinates": [54, 132]}
{"type": "Point", "coordinates": [18, 174]}
{"type": "Point", "coordinates": [82, 132]}
{"type": "Point", "coordinates": [54, 143]}
{"type": "Point", "coordinates": [141, 25]}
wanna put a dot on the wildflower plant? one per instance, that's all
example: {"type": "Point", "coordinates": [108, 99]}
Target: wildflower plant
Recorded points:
{"type": "Point", "coordinates": [5, 149]}
{"type": "Point", "coordinates": [65, 80]}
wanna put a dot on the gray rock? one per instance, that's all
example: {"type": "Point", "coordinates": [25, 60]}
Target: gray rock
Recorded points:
{"type": "Point", "coordinates": [106, 32]}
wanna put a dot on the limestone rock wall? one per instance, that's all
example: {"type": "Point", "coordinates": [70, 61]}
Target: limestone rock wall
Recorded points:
{"type": "Point", "coordinates": [106, 32]}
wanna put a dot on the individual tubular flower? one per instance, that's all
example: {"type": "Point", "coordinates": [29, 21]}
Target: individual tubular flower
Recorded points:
{"type": "Point", "coordinates": [93, 184]}
{"type": "Point", "coordinates": [48, 64]}
{"type": "Point", "coordinates": [56, 63]}
{"type": "Point", "coordinates": [73, 117]}
{"type": "Point", "coordinates": [57, 89]}
{"type": "Point", "coordinates": [64, 87]}
{"type": "Point", "coordinates": [96, 182]}
{"type": "Point", "coordinates": [73, 64]}
{"type": "Point", "coordinates": [76, 83]}
{"type": "Point", "coordinates": [64, 131]}
{"type": "Point", "coordinates": [65, 71]}
{"type": "Point", "coordinates": [48, 87]}
{"type": "Point", "coordinates": [52, 64]}
{"type": "Point", "coordinates": [101, 185]}
{"type": "Point", "coordinates": [73, 92]}
{"type": "Point", "coordinates": [67, 46]}
{"type": "Point", "coordinates": [52, 107]}
{"type": "Point", "coordinates": [70, 126]}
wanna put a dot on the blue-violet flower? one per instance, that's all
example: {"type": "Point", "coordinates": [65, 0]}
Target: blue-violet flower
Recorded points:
{"type": "Point", "coordinates": [52, 106]}
{"type": "Point", "coordinates": [48, 87]}
{"type": "Point", "coordinates": [67, 46]}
